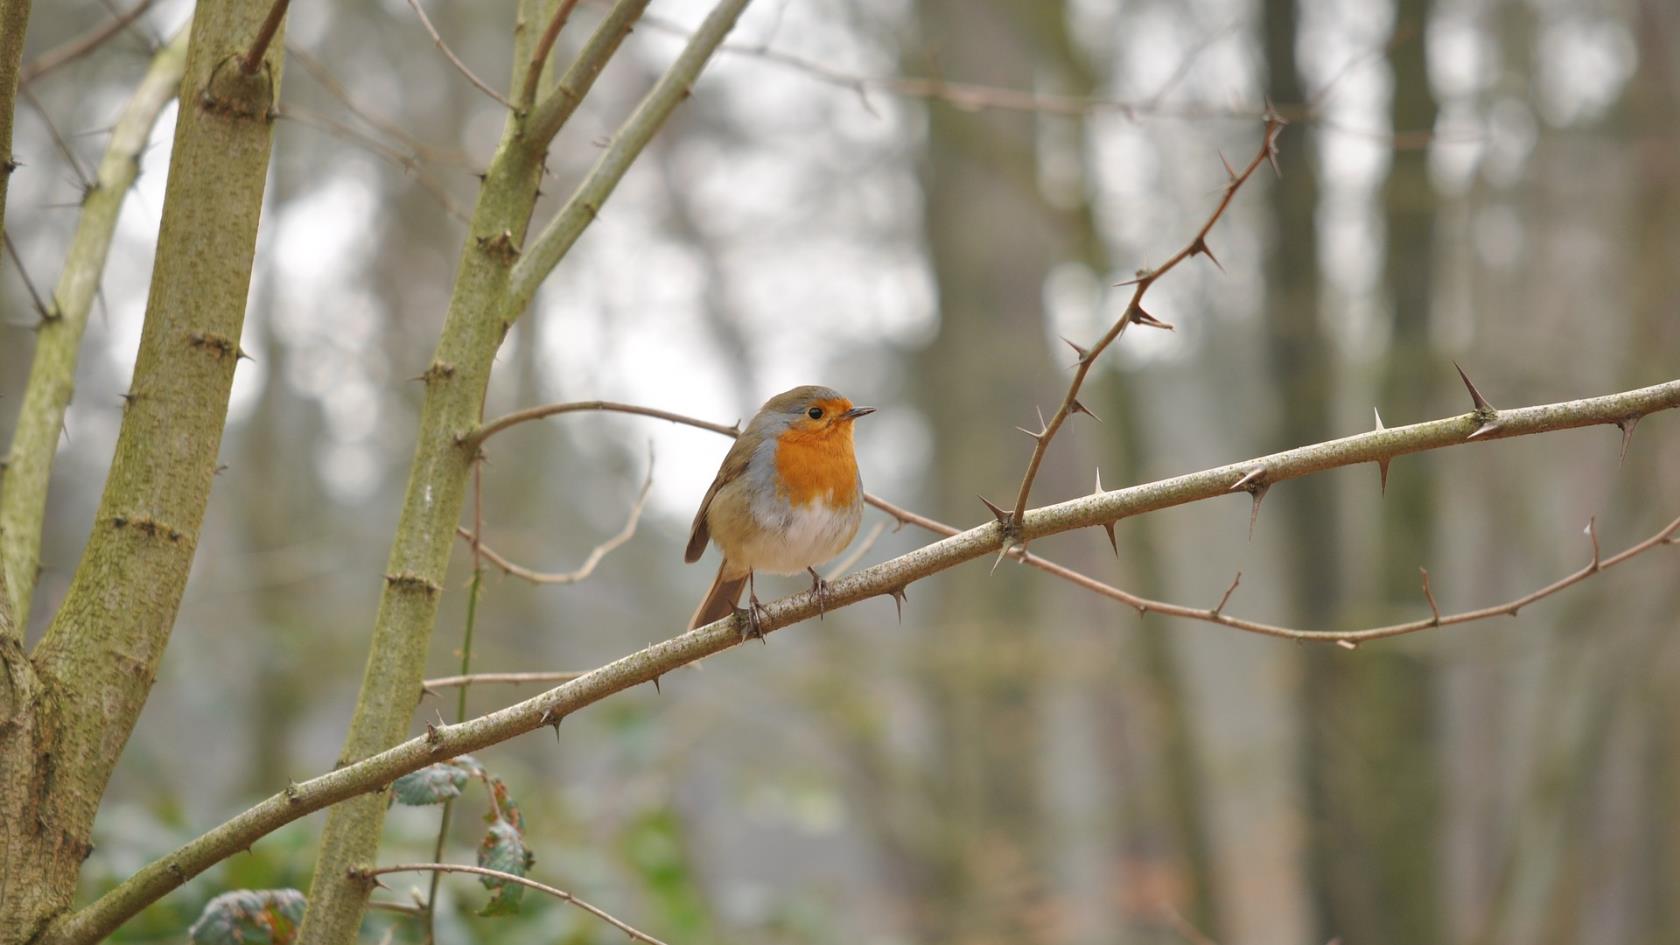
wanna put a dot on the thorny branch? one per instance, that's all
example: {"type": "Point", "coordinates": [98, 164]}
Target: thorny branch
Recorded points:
{"type": "Point", "coordinates": [1134, 312]}
{"type": "Point", "coordinates": [560, 894]}
{"type": "Point", "coordinates": [888, 578]}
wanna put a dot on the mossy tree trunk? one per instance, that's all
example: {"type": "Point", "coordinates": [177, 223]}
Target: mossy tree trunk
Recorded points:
{"type": "Point", "coordinates": [68, 708]}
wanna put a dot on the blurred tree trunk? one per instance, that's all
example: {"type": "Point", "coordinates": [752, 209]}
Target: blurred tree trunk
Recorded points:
{"type": "Point", "coordinates": [981, 662]}
{"type": "Point", "coordinates": [1391, 725]}
{"type": "Point", "coordinates": [1299, 358]}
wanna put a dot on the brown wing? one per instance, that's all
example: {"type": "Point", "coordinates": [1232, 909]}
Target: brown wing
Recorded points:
{"type": "Point", "coordinates": [734, 464]}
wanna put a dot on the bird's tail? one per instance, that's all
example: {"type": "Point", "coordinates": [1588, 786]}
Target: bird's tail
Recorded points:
{"type": "Point", "coordinates": [720, 601]}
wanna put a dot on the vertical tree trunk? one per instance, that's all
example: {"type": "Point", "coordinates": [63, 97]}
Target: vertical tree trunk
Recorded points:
{"type": "Point", "coordinates": [67, 710]}
{"type": "Point", "coordinates": [979, 868]}
{"type": "Point", "coordinates": [14, 23]}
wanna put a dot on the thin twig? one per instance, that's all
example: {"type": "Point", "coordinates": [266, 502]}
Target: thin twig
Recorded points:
{"type": "Point", "coordinates": [454, 60]}
{"type": "Point", "coordinates": [583, 571]}
{"type": "Point", "coordinates": [539, 57]}
{"type": "Point", "coordinates": [1134, 313]}
{"type": "Point", "coordinates": [82, 45]}
{"type": "Point", "coordinates": [265, 35]}
{"type": "Point", "coordinates": [511, 679]}
{"type": "Point", "coordinates": [28, 283]}
{"type": "Point", "coordinates": [324, 76]}
{"type": "Point", "coordinates": [560, 894]}
{"type": "Point", "coordinates": [58, 139]}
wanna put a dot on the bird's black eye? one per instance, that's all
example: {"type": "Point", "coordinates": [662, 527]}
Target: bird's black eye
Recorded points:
{"type": "Point", "coordinates": [815, 413]}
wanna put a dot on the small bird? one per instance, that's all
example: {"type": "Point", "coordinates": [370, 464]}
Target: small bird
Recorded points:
{"type": "Point", "coordinates": [787, 497]}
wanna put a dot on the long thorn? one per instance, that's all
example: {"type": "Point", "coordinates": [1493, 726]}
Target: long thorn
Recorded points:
{"type": "Point", "coordinates": [1476, 398]}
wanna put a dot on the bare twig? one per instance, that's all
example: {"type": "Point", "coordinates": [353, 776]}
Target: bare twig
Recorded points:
{"type": "Point", "coordinates": [599, 552]}
{"type": "Point", "coordinates": [454, 60]}
{"type": "Point", "coordinates": [324, 76]}
{"type": "Point", "coordinates": [510, 679]}
{"type": "Point", "coordinates": [545, 44]}
{"type": "Point", "coordinates": [253, 58]}
{"type": "Point", "coordinates": [560, 894]}
{"type": "Point", "coordinates": [1134, 313]}
{"type": "Point", "coordinates": [82, 45]}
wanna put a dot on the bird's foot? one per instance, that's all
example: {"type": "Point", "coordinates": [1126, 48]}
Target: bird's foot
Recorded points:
{"type": "Point", "coordinates": [749, 620]}
{"type": "Point", "coordinates": [819, 587]}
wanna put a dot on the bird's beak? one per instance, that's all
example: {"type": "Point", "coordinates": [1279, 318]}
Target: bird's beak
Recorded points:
{"type": "Point", "coordinates": [857, 412]}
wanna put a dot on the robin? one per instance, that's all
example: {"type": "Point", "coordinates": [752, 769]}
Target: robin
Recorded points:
{"type": "Point", "coordinates": [787, 497]}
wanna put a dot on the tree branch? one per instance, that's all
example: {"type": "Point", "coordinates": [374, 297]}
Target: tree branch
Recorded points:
{"type": "Point", "coordinates": [533, 73]}
{"type": "Point", "coordinates": [559, 894]}
{"type": "Point", "coordinates": [52, 373]}
{"type": "Point", "coordinates": [1134, 313]}
{"type": "Point", "coordinates": [585, 203]}
{"type": "Point", "coordinates": [550, 115]}
{"type": "Point", "coordinates": [888, 578]}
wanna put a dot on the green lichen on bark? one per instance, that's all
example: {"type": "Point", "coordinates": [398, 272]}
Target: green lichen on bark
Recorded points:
{"type": "Point", "coordinates": [72, 704]}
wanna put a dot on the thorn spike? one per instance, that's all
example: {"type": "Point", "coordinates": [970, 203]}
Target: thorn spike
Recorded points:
{"type": "Point", "coordinates": [1076, 407]}
{"type": "Point", "coordinates": [1078, 350]}
{"type": "Point", "coordinates": [1144, 318]}
{"type": "Point", "coordinates": [1254, 510]}
{"type": "Point", "coordinates": [1482, 406]}
{"type": "Point", "coordinates": [1112, 541]}
{"type": "Point", "coordinates": [1002, 515]}
{"type": "Point", "coordinates": [1382, 476]}
{"type": "Point", "coordinates": [1201, 247]}
{"type": "Point", "coordinates": [1230, 172]}
{"type": "Point", "coordinates": [1488, 427]}
{"type": "Point", "coordinates": [1378, 415]}
{"type": "Point", "coordinates": [1099, 481]}
{"type": "Point", "coordinates": [1627, 436]}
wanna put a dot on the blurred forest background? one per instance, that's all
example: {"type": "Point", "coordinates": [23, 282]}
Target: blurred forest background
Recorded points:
{"type": "Point", "coordinates": [1492, 181]}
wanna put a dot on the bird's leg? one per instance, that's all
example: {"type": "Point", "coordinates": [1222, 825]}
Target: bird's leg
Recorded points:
{"type": "Point", "coordinates": [819, 587]}
{"type": "Point", "coordinates": [753, 615]}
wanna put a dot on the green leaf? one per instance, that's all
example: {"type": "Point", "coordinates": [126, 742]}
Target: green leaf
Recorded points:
{"type": "Point", "coordinates": [249, 917]}
{"type": "Point", "coordinates": [434, 784]}
{"type": "Point", "coordinates": [503, 849]}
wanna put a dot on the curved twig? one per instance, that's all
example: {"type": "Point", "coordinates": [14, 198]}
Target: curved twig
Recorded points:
{"type": "Point", "coordinates": [454, 60]}
{"type": "Point", "coordinates": [560, 894]}
{"type": "Point", "coordinates": [584, 570]}
{"type": "Point", "coordinates": [82, 45]}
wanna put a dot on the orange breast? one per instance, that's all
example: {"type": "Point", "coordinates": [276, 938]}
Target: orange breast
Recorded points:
{"type": "Point", "coordinates": [818, 465]}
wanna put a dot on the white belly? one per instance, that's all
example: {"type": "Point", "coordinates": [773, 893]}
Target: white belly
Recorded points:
{"type": "Point", "coordinates": [807, 535]}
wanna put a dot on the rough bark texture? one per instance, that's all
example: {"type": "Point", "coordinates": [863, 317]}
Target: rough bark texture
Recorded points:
{"type": "Point", "coordinates": [52, 374]}
{"type": "Point", "coordinates": [14, 22]}
{"type": "Point", "coordinates": [66, 710]}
